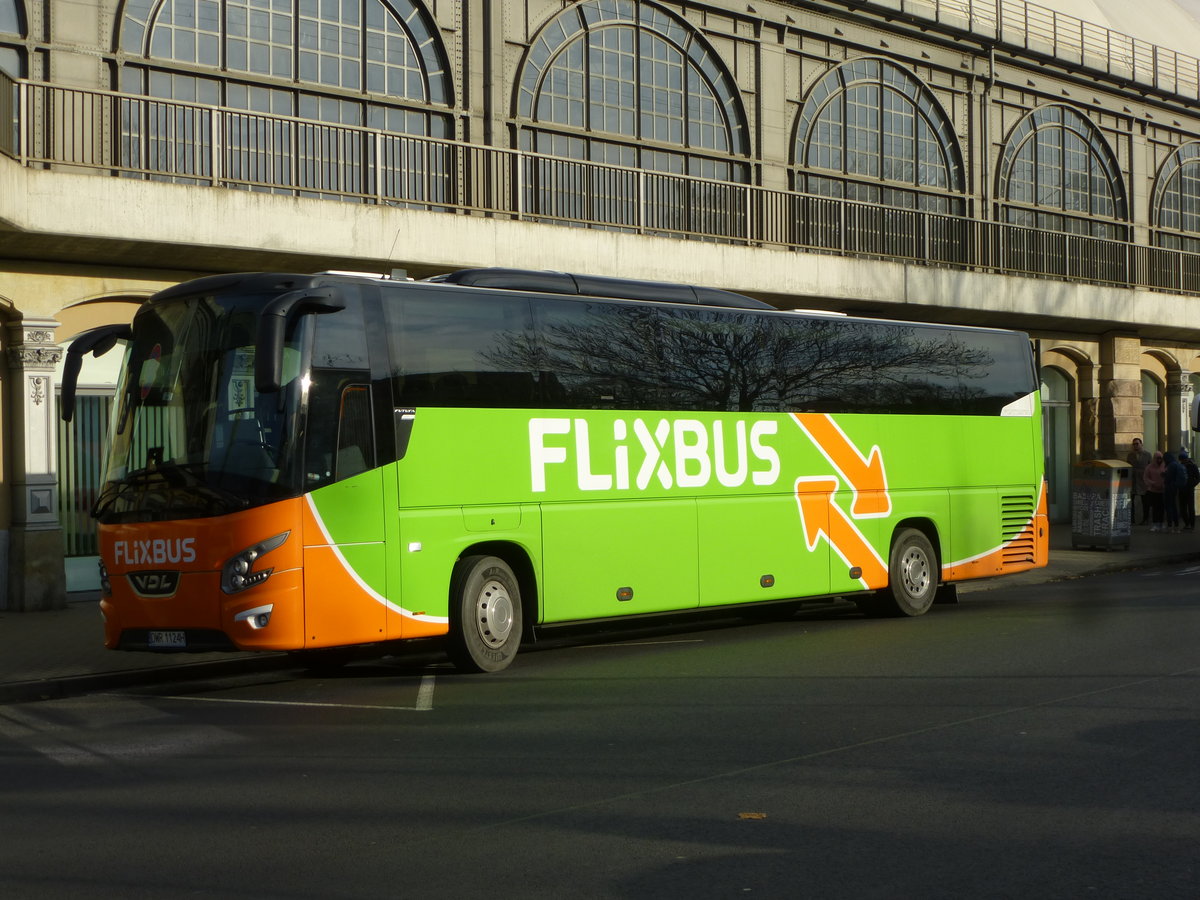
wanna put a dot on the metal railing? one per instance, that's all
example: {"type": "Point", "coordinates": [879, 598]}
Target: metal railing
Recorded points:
{"type": "Point", "coordinates": [130, 136]}
{"type": "Point", "coordinates": [1037, 29]}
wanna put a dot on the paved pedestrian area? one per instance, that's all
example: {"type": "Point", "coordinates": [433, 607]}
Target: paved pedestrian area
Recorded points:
{"type": "Point", "coordinates": [61, 652]}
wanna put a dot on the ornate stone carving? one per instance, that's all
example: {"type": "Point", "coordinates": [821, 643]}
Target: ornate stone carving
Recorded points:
{"type": "Point", "coordinates": [20, 357]}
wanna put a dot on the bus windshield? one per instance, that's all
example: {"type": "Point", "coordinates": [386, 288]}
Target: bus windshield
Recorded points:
{"type": "Point", "coordinates": [190, 435]}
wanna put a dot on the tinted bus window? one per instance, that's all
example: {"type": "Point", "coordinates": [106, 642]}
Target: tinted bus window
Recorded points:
{"type": "Point", "coordinates": [724, 360]}
{"type": "Point", "coordinates": [454, 349]}
{"type": "Point", "coordinates": [598, 355]}
{"type": "Point", "coordinates": [720, 361]}
{"type": "Point", "coordinates": [835, 365]}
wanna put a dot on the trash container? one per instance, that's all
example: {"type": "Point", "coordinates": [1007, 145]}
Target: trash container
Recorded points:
{"type": "Point", "coordinates": [1102, 504]}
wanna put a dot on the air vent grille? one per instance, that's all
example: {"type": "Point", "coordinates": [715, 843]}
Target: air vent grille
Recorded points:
{"type": "Point", "coordinates": [1017, 524]}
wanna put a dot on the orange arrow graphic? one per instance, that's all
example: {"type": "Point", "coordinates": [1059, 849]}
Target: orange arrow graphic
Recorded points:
{"type": "Point", "coordinates": [864, 474]}
{"type": "Point", "coordinates": [819, 515]}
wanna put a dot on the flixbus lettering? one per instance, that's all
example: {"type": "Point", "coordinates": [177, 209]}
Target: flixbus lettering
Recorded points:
{"type": "Point", "coordinates": [684, 453]}
{"type": "Point", "coordinates": [157, 551]}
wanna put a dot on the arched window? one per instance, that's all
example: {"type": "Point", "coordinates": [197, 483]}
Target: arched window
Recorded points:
{"type": "Point", "coordinates": [634, 72]}
{"type": "Point", "coordinates": [883, 135]}
{"type": "Point", "coordinates": [1057, 421]}
{"type": "Point", "coordinates": [1058, 173]}
{"type": "Point", "coordinates": [1153, 427]}
{"type": "Point", "coordinates": [381, 47]}
{"type": "Point", "coordinates": [12, 22]}
{"type": "Point", "coordinates": [1176, 205]}
{"type": "Point", "coordinates": [387, 51]}
{"type": "Point", "coordinates": [372, 63]}
{"type": "Point", "coordinates": [630, 85]}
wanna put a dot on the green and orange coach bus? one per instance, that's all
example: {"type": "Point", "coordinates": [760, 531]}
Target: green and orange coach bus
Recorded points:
{"type": "Point", "coordinates": [304, 462]}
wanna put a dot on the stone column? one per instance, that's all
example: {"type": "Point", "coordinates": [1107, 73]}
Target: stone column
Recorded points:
{"type": "Point", "coordinates": [1119, 410]}
{"type": "Point", "coordinates": [1087, 394]}
{"type": "Point", "coordinates": [35, 577]}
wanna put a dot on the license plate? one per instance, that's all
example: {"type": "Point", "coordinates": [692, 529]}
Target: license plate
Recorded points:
{"type": "Point", "coordinates": [167, 639]}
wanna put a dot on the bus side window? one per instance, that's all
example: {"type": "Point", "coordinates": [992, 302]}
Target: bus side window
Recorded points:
{"type": "Point", "coordinates": [355, 442]}
{"type": "Point", "coordinates": [339, 440]}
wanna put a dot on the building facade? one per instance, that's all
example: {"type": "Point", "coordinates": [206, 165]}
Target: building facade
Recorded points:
{"type": "Point", "coordinates": [978, 161]}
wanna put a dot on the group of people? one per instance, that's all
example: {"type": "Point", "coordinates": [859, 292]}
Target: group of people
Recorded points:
{"type": "Point", "coordinates": [1166, 484]}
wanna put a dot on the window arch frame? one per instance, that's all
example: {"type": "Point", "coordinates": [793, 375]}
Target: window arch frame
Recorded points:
{"type": "Point", "coordinates": [1027, 132]}
{"type": "Point", "coordinates": [284, 135]}
{"type": "Point", "coordinates": [138, 19]}
{"type": "Point", "coordinates": [890, 79]}
{"type": "Point", "coordinates": [578, 23]}
{"type": "Point", "coordinates": [1183, 158]}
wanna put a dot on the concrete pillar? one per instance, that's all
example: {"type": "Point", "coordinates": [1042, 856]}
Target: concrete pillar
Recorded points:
{"type": "Point", "coordinates": [1119, 411]}
{"type": "Point", "coordinates": [1087, 388]}
{"type": "Point", "coordinates": [35, 578]}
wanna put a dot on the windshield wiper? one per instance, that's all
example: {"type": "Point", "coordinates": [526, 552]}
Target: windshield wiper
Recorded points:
{"type": "Point", "coordinates": [114, 489]}
{"type": "Point", "coordinates": [179, 478]}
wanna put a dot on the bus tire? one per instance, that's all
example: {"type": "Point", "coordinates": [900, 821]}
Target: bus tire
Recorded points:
{"type": "Point", "coordinates": [485, 614]}
{"type": "Point", "coordinates": [912, 577]}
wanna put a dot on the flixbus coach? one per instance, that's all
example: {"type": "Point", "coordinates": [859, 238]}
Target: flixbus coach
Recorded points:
{"type": "Point", "coordinates": [299, 462]}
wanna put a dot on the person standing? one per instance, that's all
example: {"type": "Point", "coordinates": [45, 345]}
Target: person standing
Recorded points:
{"type": "Point", "coordinates": [1138, 458]}
{"type": "Point", "coordinates": [1187, 497]}
{"type": "Point", "coordinates": [1154, 477]}
{"type": "Point", "coordinates": [1174, 479]}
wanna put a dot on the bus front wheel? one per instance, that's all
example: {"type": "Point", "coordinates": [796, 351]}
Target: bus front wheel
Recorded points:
{"type": "Point", "coordinates": [912, 577]}
{"type": "Point", "coordinates": [485, 614]}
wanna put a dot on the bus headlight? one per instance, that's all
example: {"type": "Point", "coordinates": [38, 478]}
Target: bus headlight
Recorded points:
{"type": "Point", "coordinates": [238, 572]}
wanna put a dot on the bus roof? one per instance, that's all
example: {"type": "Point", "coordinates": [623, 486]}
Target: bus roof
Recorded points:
{"type": "Point", "coordinates": [548, 282]}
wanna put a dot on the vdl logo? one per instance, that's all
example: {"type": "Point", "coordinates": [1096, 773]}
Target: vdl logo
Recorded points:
{"type": "Point", "coordinates": [154, 584]}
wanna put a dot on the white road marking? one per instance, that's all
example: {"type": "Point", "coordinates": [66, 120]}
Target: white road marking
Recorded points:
{"type": "Point", "coordinates": [1191, 570]}
{"type": "Point", "coordinates": [425, 694]}
{"type": "Point", "coordinates": [36, 734]}
{"type": "Point", "coordinates": [639, 643]}
{"type": "Point", "coordinates": [97, 735]}
{"type": "Point", "coordinates": [424, 700]}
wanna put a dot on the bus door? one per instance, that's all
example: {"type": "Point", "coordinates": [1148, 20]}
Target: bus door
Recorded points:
{"type": "Point", "coordinates": [345, 580]}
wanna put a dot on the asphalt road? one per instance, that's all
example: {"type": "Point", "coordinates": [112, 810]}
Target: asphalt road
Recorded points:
{"type": "Point", "coordinates": [1026, 743]}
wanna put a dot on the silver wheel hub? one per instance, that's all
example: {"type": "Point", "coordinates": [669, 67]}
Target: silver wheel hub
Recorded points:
{"type": "Point", "coordinates": [493, 613]}
{"type": "Point", "coordinates": [914, 569]}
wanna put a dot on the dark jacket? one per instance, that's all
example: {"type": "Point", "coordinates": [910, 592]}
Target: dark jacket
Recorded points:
{"type": "Point", "coordinates": [1175, 477]}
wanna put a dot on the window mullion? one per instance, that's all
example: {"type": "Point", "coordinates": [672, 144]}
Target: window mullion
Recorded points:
{"type": "Point", "coordinates": [638, 87]}
{"type": "Point", "coordinates": [844, 103]}
{"type": "Point", "coordinates": [881, 130]}
{"type": "Point", "coordinates": [362, 53]}
{"type": "Point", "coordinates": [295, 52]}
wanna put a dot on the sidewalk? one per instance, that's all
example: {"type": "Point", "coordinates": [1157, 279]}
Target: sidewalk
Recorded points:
{"type": "Point", "coordinates": [44, 655]}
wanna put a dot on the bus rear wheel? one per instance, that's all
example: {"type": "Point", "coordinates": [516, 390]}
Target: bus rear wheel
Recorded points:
{"type": "Point", "coordinates": [485, 614]}
{"type": "Point", "coordinates": [912, 577]}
